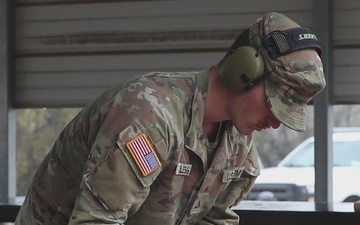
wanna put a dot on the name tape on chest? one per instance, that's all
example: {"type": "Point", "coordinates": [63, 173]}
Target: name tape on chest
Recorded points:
{"type": "Point", "coordinates": [144, 155]}
{"type": "Point", "coordinates": [232, 174]}
{"type": "Point", "coordinates": [183, 169]}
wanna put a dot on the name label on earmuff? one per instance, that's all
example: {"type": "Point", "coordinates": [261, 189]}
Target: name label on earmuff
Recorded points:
{"type": "Point", "coordinates": [279, 43]}
{"type": "Point", "coordinates": [307, 36]}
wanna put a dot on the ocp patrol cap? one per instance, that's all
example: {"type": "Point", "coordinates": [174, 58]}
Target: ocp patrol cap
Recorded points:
{"type": "Point", "coordinates": [293, 68]}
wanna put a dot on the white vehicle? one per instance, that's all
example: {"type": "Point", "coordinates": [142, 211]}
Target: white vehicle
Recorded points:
{"type": "Point", "coordinates": [293, 178]}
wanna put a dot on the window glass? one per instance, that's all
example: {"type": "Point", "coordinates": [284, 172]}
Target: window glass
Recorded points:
{"type": "Point", "coordinates": [293, 178]}
{"type": "Point", "coordinates": [347, 153]}
{"type": "Point", "coordinates": [275, 145]}
{"type": "Point", "coordinates": [36, 131]}
{"type": "Point", "coordinates": [303, 158]}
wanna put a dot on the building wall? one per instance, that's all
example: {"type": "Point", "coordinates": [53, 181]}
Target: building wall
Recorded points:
{"type": "Point", "coordinates": [68, 52]}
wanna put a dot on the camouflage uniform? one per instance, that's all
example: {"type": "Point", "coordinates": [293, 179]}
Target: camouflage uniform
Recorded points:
{"type": "Point", "coordinates": [94, 173]}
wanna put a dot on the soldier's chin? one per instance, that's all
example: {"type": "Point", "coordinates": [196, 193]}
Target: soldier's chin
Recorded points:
{"type": "Point", "coordinates": [245, 131]}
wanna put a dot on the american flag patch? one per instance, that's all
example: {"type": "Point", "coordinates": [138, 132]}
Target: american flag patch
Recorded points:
{"type": "Point", "coordinates": [143, 154]}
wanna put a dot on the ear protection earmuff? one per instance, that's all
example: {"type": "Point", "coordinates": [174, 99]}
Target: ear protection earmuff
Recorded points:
{"type": "Point", "coordinates": [240, 69]}
{"type": "Point", "coordinates": [243, 66]}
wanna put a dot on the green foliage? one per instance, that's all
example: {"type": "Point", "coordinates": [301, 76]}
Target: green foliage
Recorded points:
{"type": "Point", "coordinates": [37, 130]}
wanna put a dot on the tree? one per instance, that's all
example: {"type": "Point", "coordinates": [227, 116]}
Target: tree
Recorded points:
{"type": "Point", "coordinates": [37, 130]}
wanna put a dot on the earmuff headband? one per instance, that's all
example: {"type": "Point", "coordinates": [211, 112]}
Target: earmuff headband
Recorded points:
{"type": "Point", "coordinates": [241, 40]}
{"type": "Point", "coordinates": [243, 65]}
{"type": "Point", "coordinates": [279, 43]}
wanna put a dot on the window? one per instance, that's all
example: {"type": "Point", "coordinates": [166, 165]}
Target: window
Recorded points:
{"type": "Point", "coordinates": [291, 176]}
{"type": "Point", "coordinates": [37, 130]}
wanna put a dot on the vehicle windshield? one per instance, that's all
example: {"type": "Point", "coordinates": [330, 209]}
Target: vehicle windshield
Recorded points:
{"type": "Point", "coordinates": [346, 153]}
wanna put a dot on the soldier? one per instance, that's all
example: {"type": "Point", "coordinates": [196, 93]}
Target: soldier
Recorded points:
{"type": "Point", "coordinates": [176, 148]}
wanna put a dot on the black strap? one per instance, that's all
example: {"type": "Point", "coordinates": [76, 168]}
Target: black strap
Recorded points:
{"type": "Point", "coordinates": [280, 43]}
{"type": "Point", "coordinates": [241, 40]}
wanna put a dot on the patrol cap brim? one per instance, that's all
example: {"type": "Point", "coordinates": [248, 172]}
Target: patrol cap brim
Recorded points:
{"type": "Point", "coordinates": [289, 113]}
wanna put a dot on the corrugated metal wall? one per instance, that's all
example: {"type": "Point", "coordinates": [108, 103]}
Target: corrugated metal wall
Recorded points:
{"type": "Point", "coordinates": [346, 51]}
{"type": "Point", "coordinates": [70, 51]}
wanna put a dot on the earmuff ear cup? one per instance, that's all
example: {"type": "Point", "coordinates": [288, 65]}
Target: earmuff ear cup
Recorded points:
{"type": "Point", "coordinates": [242, 67]}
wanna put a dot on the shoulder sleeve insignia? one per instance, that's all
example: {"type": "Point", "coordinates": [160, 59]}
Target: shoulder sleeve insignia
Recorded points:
{"type": "Point", "coordinates": [144, 155]}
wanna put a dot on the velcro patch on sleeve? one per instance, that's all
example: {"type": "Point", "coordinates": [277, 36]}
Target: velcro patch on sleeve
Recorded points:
{"type": "Point", "coordinates": [144, 155]}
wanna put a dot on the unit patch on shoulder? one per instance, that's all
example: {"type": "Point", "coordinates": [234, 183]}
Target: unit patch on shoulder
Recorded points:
{"type": "Point", "coordinates": [144, 155]}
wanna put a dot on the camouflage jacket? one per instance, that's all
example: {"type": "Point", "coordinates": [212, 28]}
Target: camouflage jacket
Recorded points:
{"type": "Point", "coordinates": [137, 155]}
